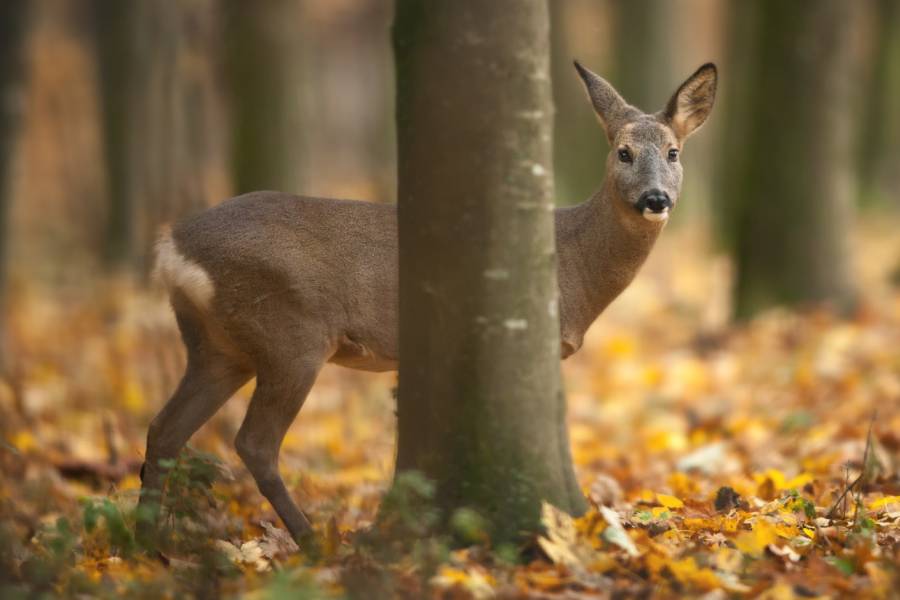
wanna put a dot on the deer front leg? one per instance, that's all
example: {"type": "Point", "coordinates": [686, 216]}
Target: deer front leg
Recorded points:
{"type": "Point", "coordinates": [276, 401]}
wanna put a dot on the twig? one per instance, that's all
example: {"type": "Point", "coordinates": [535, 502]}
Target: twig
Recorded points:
{"type": "Point", "coordinates": [865, 462]}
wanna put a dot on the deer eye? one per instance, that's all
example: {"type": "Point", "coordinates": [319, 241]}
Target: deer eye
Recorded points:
{"type": "Point", "coordinates": [673, 154]}
{"type": "Point", "coordinates": [625, 155]}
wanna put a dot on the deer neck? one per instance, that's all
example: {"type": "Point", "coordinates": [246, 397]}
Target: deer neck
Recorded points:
{"type": "Point", "coordinates": [601, 247]}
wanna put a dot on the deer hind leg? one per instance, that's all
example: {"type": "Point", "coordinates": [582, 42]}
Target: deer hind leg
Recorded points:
{"type": "Point", "coordinates": [210, 379]}
{"type": "Point", "coordinates": [279, 395]}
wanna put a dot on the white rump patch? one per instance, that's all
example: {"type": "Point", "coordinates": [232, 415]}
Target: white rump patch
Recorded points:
{"type": "Point", "coordinates": [177, 272]}
{"type": "Point", "coordinates": [656, 217]}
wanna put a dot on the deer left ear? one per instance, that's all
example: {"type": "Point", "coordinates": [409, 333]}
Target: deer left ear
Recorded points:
{"type": "Point", "coordinates": [691, 104]}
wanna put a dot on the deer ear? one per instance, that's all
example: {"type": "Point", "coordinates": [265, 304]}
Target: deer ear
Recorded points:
{"type": "Point", "coordinates": [691, 104]}
{"type": "Point", "coordinates": [609, 105]}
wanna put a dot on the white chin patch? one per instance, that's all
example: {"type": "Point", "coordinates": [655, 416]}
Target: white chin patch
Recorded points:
{"type": "Point", "coordinates": [656, 217]}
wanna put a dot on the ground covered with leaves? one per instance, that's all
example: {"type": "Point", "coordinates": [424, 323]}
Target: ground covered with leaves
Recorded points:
{"type": "Point", "coordinates": [760, 459]}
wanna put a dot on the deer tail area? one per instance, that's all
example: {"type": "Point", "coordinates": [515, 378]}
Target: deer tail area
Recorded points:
{"type": "Point", "coordinates": [177, 272]}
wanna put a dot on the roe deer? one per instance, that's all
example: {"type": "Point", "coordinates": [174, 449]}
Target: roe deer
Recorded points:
{"type": "Point", "coordinates": [275, 285]}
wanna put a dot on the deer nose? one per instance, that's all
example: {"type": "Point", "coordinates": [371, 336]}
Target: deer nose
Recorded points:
{"type": "Point", "coordinates": [656, 201]}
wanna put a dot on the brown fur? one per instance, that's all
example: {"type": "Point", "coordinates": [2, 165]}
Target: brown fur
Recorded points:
{"type": "Point", "coordinates": [297, 282]}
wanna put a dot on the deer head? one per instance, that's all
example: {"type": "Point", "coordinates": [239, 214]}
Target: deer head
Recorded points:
{"type": "Point", "coordinates": [643, 168]}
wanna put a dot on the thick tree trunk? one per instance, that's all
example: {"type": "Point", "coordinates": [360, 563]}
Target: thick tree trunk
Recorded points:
{"type": "Point", "coordinates": [264, 53]}
{"type": "Point", "coordinates": [787, 182]}
{"type": "Point", "coordinates": [481, 410]}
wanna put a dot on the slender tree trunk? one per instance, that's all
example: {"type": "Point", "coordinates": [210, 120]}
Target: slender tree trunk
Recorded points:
{"type": "Point", "coordinates": [580, 148]}
{"type": "Point", "coordinates": [164, 126]}
{"type": "Point", "coordinates": [643, 51]}
{"type": "Point", "coordinates": [787, 184]}
{"type": "Point", "coordinates": [879, 140]}
{"type": "Point", "coordinates": [481, 410]}
{"type": "Point", "coordinates": [114, 23]}
{"type": "Point", "coordinates": [264, 53]}
{"type": "Point", "coordinates": [13, 25]}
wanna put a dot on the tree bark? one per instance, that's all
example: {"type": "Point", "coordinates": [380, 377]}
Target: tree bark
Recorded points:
{"type": "Point", "coordinates": [786, 183]}
{"type": "Point", "coordinates": [643, 52]}
{"type": "Point", "coordinates": [579, 159]}
{"type": "Point", "coordinates": [481, 410]}
{"type": "Point", "coordinates": [13, 26]}
{"type": "Point", "coordinates": [264, 53]}
{"type": "Point", "coordinates": [114, 22]}
{"type": "Point", "coordinates": [879, 138]}
{"type": "Point", "coordinates": [164, 126]}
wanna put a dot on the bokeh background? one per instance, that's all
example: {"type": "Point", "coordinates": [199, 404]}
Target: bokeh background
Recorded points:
{"type": "Point", "coordinates": [757, 343]}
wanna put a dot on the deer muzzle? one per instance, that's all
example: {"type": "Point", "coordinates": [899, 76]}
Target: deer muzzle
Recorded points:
{"type": "Point", "coordinates": [654, 205]}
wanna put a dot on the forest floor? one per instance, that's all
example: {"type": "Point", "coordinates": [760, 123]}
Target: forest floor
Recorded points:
{"type": "Point", "coordinates": [720, 460]}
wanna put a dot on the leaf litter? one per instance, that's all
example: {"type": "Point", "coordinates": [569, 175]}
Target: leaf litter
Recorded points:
{"type": "Point", "coordinates": [719, 460]}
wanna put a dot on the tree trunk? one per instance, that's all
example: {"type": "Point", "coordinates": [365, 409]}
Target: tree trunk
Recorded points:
{"type": "Point", "coordinates": [879, 138]}
{"type": "Point", "coordinates": [579, 160]}
{"type": "Point", "coordinates": [13, 25]}
{"type": "Point", "coordinates": [264, 53]}
{"type": "Point", "coordinates": [643, 52]}
{"type": "Point", "coordinates": [481, 411]}
{"type": "Point", "coordinates": [787, 179]}
{"type": "Point", "coordinates": [164, 126]}
{"type": "Point", "coordinates": [113, 30]}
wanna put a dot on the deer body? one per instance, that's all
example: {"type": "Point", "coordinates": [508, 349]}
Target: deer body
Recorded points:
{"type": "Point", "coordinates": [275, 285]}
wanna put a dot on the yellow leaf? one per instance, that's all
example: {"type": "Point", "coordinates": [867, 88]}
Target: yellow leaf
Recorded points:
{"type": "Point", "coordinates": [669, 501]}
{"type": "Point", "coordinates": [682, 484]}
{"type": "Point", "coordinates": [133, 397]}
{"type": "Point", "coordinates": [688, 573]}
{"type": "Point", "coordinates": [754, 542]}
{"type": "Point", "coordinates": [799, 481]}
{"type": "Point", "coordinates": [24, 441]}
{"type": "Point", "coordinates": [474, 580]}
{"type": "Point", "coordinates": [620, 345]}
{"type": "Point", "coordinates": [882, 502]}
{"type": "Point", "coordinates": [660, 511]}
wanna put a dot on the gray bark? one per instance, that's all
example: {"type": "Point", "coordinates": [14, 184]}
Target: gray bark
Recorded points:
{"type": "Point", "coordinates": [481, 410]}
{"type": "Point", "coordinates": [788, 153]}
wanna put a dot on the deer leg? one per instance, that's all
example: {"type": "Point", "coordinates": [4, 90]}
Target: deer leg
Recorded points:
{"type": "Point", "coordinates": [276, 401]}
{"type": "Point", "coordinates": [205, 387]}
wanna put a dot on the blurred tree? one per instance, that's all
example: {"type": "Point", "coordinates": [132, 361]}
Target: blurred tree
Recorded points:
{"type": "Point", "coordinates": [787, 152]}
{"type": "Point", "coordinates": [114, 26]}
{"type": "Point", "coordinates": [879, 141]}
{"type": "Point", "coordinates": [579, 147]}
{"type": "Point", "coordinates": [643, 51]}
{"type": "Point", "coordinates": [481, 410]}
{"type": "Point", "coordinates": [264, 67]}
{"type": "Point", "coordinates": [163, 117]}
{"type": "Point", "coordinates": [13, 26]}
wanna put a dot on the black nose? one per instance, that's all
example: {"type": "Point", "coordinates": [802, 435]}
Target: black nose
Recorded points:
{"type": "Point", "coordinates": [656, 200]}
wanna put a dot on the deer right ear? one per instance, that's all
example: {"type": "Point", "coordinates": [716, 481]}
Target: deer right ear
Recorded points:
{"type": "Point", "coordinates": [609, 105]}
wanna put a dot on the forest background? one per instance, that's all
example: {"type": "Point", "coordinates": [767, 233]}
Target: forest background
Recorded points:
{"type": "Point", "coordinates": [755, 352]}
